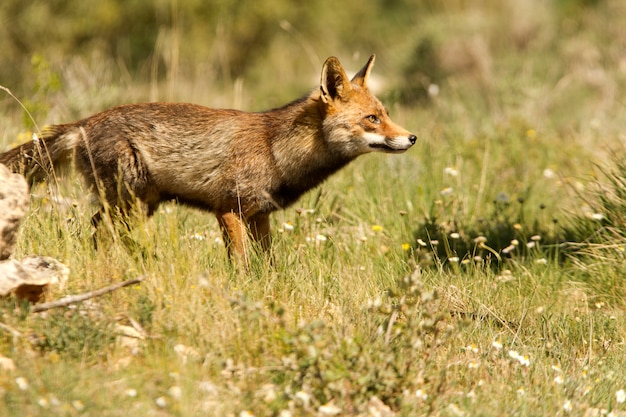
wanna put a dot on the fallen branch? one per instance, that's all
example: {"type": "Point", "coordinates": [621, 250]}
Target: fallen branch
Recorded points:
{"type": "Point", "coordinates": [9, 329]}
{"type": "Point", "coordinates": [73, 299]}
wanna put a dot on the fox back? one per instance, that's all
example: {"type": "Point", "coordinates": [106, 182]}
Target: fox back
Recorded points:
{"type": "Point", "coordinates": [239, 165]}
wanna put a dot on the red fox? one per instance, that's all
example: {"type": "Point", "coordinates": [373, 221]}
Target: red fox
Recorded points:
{"type": "Point", "coordinates": [241, 166]}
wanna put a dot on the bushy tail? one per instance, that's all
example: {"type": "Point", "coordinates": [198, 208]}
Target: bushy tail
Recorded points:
{"type": "Point", "coordinates": [36, 159]}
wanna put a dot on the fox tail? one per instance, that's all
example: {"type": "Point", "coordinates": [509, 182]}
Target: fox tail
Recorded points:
{"type": "Point", "coordinates": [36, 159]}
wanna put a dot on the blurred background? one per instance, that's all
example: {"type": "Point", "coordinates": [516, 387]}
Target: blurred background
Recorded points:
{"type": "Point", "coordinates": [561, 58]}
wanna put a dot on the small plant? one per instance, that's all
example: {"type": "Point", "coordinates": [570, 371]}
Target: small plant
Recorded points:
{"type": "Point", "coordinates": [445, 237]}
{"type": "Point", "coordinates": [601, 254]}
{"type": "Point", "coordinates": [75, 334]}
{"type": "Point", "coordinates": [605, 217]}
{"type": "Point", "coordinates": [390, 357]}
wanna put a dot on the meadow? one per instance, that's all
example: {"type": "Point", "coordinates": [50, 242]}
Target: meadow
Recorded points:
{"type": "Point", "coordinates": [480, 273]}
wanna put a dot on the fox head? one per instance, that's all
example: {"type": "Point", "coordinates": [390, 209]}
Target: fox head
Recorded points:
{"type": "Point", "coordinates": [356, 122]}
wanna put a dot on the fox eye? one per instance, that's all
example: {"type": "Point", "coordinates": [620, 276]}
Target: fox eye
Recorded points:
{"type": "Point", "coordinates": [373, 119]}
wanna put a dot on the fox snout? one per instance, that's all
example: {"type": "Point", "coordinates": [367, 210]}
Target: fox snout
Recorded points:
{"type": "Point", "coordinates": [401, 143]}
{"type": "Point", "coordinates": [412, 139]}
{"type": "Point", "coordinates": [387, 144]}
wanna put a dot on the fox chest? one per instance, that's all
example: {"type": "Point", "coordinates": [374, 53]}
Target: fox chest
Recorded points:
{"type": "Point", "coordinates": [290, 189]}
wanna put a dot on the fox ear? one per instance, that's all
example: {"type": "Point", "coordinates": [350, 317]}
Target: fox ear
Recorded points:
{"type": "Point", "coordinates": [334, 82]}
{"type": "Point", "coordinates": [360, 78]}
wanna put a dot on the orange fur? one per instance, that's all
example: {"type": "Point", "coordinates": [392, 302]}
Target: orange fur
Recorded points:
{"type": "Point", "coordinates": [241, 166]}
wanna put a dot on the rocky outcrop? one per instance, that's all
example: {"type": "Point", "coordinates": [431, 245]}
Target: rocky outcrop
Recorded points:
{"type": "Point", "coordinates": [13, 205]}
{"type": "Point", "coordinates": [30, 277]}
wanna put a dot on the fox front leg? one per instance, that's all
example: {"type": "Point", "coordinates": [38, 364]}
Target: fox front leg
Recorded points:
{"type": "Point", "coordinates": [234, 231]}
{"type": "Point", "coordinates": [260, 230]}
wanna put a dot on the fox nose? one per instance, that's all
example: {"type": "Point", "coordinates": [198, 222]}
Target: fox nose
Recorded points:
{"type": "Point", "coordinates": [412, 139]}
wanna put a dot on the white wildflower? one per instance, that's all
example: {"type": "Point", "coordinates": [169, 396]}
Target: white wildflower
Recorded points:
{"type": "Point", "coordinates": [175, 392]}
{"type": "Point", "coordinates": [329, 409]}
{"type": "Point", "coordinates": [433, 90]}
{"type": "Point", "coordinates": [304, 397]}
{"type": "Point", "coordinates": [472, 348]}
{"type": "Point", "coordinates": [22, 383]}
{"type": "Point", "coordinates": [421, 395]}
{"type": "Point", "coordinates": [567, 407]}
{"type": "Point", "coordinates": [523, 360]}
{"type": "Point", "coordinates": [480, 240]}
{"type": "Point", "coordinates": [508, 249]}
{"type": "Point", "coordinates": [455, 410]}
{"type": "Point", "coordinates": [596, 216]}
{"type": "Point", "coordinates": [447, 191]}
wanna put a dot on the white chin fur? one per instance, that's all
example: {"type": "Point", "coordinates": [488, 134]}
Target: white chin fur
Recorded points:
{"type": "Point", "coordinates": [379, 142]}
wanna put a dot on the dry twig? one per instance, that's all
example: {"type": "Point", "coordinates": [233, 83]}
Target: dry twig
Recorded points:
{"type": "Point", "coordinates": [73, 299]}
{"type": "Point", "coordinates": [9, 329]}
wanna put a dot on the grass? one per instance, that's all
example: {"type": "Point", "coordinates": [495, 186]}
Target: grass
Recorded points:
{"type": "Point", "coordinates": [481, 273]}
